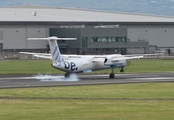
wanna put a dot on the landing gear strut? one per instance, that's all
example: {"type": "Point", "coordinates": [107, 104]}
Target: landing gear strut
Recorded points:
{"type": "Point", "coordinates": [112, 75]}
{"type": "Point", "coordinates": [67, 75]}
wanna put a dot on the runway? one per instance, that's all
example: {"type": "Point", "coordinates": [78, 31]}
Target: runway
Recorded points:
{"type": "Point", "coordinates": [79, 79]}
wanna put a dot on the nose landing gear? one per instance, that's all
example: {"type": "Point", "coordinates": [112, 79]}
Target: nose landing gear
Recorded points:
{"type": "Point", "coordinates": [112, 75]}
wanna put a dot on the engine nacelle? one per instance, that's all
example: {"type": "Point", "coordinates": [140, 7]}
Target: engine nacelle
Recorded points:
{"type": "Point", "coordinates": [116, 63]}
{"type": "Point", "coordinates": [108, 60]}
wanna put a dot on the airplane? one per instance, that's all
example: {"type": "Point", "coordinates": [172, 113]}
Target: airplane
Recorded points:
{"type": "Point", "coordinates": [82, 63]}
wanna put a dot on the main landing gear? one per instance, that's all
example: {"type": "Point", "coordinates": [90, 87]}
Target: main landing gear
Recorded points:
{"type": "Point", "coordinates": [67, 75]}
{"type": "Point", "coordinates": [112, 75]}
{"type": "Point", "coordinates": [121, 70]}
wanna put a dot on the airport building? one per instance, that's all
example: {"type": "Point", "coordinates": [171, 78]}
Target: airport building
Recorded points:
{"type": "Point", "coordinates": [98, 32]}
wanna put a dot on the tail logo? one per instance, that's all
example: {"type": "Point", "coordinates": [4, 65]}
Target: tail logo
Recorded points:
{"type": "Point", "coordinates": [55, 50]}
{"type": "Point", "coordinates": [57, 57]}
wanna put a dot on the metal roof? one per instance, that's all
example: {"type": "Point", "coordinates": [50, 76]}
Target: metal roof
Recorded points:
{"type": "Point", "coordinates": [34, 13]}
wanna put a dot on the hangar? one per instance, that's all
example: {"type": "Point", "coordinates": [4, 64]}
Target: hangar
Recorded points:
{"type": "Point", "coordinates": [98, 32]}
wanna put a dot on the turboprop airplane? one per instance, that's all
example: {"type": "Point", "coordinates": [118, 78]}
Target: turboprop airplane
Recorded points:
{"type": "Point", "coordinates": [82, 63]}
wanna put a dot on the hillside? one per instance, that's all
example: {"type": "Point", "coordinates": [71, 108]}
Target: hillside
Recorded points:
{"type": "Point", "coordinates": [157, 7]}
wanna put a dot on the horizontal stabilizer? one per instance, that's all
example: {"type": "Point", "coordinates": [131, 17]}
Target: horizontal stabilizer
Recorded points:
{"type": "Point", "coordinates": [43, 56]}
{"type": "Point", "coordinates": [52, 38]}
{"type": "Point", "coordinates": [31, 53]}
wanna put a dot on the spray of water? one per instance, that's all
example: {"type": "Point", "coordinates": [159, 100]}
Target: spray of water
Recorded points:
{"type": "Point", "coordinates": [49, 78]}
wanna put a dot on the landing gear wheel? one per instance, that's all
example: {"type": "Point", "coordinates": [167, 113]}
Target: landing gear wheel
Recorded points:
{"type": "Point", "coordinates": [121, 70]}
{"type": "Point", "coordinates": [112, 76]}
{"type": "Point", "coordinates": [67, 75]}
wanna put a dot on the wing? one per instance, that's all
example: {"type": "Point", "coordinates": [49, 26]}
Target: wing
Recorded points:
{"type": "Point", "coordinates": [115, 58]}
{"type": "Point", "coordinates": [96, 58]}
{"type": "Point", "coordinates": [143, 55]}
{"type": "Point", "coordinates": [126, 58]}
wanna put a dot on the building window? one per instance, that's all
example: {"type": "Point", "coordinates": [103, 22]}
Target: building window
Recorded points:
{"type": "Point", "coordinates": [109, 39]}
{"type": "Point", "coordinates": [114, 39]}
{"type": "Point", "coordinates": [119, 39]}
{"type": "Point", "coordinates": [104, 39]}
{"type": "Point", "coordinates": [123, 39]}
{"type": "Point", "coordinates": [99, 39]}
{"type": "Point", "coordinates": [84, 42]}
{"type": "Point", "coordinates": [94, 39]}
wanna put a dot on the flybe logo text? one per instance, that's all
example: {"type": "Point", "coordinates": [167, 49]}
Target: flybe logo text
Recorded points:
{"type": "Point", "coordinates": [71, 66]}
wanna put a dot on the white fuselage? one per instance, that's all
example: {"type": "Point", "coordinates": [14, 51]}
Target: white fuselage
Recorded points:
{"type": "Point", "coordinates": [85, 64]}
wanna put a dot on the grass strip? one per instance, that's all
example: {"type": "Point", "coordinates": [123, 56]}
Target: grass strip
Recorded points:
{"type": "Point", "coordinates": [44, 67]}
{"type": "Point", "coordinates": [85, 110]}
{"type": "Point", "coordinates": [143, 91]}
{"type": "Point", "coordinates": [143, 101]}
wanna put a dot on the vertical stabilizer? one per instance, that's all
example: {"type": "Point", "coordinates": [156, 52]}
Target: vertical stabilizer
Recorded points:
{"type": "Point", "coordinates": [55, 52]}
